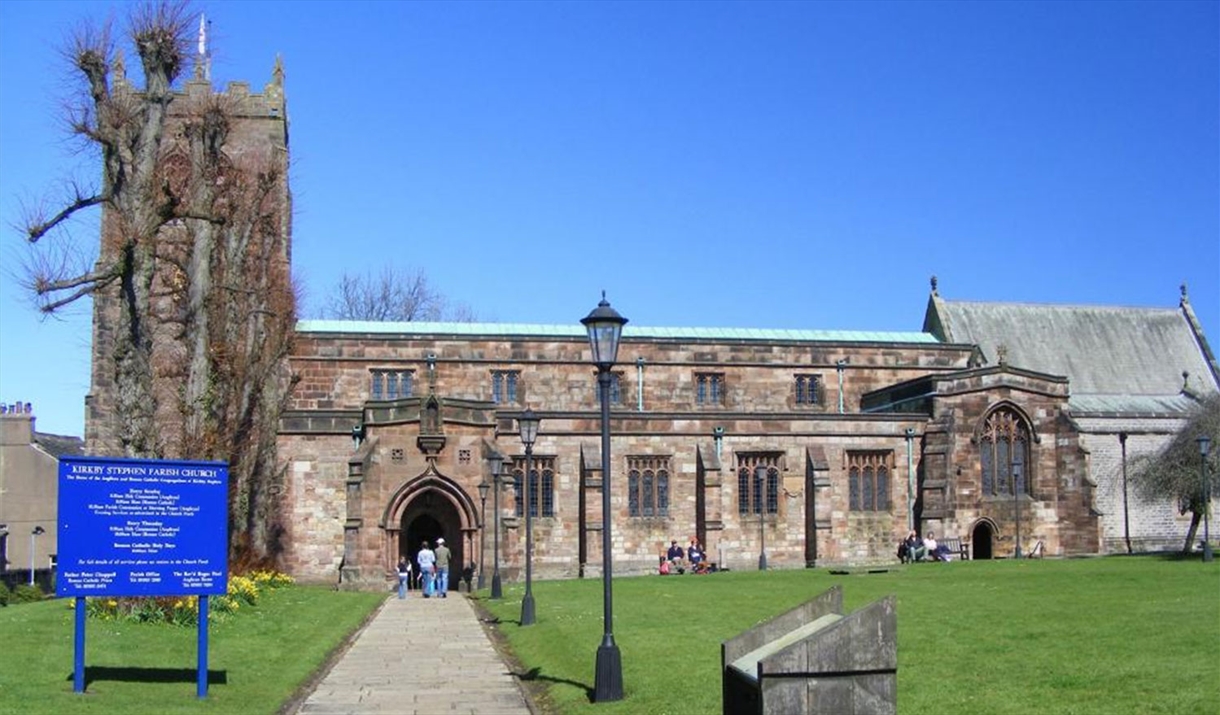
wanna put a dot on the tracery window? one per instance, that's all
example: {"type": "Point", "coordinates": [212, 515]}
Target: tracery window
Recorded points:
{"type": "Point", "coordinates": [616, 387]}
{"type": "Point", "coordinates": [542, 486]}
{"type": "Point", "coordinates": [868, 480]}
{"type": "Point", "coordinates": [709, 388]}
{"type": "Point", "coordinates": [648, 486]}
{"type": "Point", "coordinates": [1004, 443]}
{"type": "Point", "coordinates": [758, 489]}
{"type": "Point", "coordinates": [504, 386]}
{"type": "Point", "coordinates": [809, 389]}
{"type": "Point", "coordinates": [391, 384]}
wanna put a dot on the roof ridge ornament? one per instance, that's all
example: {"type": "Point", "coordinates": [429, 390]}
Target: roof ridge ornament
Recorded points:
{"type": "Point", "coordinates": [1185, 298]}
{"type": "Point", "coordinates": [934, 286]}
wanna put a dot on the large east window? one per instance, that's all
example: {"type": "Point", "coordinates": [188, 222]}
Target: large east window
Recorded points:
{"type": "Point", "coordinates": [1004, 444]}
{"type": "Point", "coordinates": [648, 486]}
{"type": "Point", "coordinates": [868, 480]}
{"type": "Point", "coordinates": [542, 485]}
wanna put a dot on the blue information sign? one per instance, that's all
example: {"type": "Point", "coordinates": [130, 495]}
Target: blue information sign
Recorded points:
{"type": "Point", "coordinates": [131, 527]}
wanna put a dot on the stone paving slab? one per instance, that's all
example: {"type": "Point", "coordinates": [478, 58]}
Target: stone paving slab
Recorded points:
{"type": "Point", "coordinates": [419, 656]}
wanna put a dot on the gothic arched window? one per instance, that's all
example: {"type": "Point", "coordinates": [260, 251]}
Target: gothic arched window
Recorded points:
{"type": "Point", "coordinates": [542, 486]}
{"type": "Point", "coordinates": [1003, 444]}
{"type": "Point", "coordinates": [758, 493]}
{"type": "Point", "coordinates": [648, 485]}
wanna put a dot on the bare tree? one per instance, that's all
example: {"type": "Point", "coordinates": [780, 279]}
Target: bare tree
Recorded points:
{"type": "Point", "coordinates": [1176, 471]}
{"type": "Point", "coordinates": [193, 304]}
{"type": "Point", "coordinates": [395, 294]}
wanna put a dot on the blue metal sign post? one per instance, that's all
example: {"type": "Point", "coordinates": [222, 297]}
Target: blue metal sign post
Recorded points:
{"type": "Point", "coordinates": [130, 527]}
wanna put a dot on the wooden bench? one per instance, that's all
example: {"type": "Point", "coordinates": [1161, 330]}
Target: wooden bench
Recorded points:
{"type": "Point", "coordinates": [957, 547]}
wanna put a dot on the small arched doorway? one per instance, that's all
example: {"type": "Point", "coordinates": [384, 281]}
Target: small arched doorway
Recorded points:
{"type": "Point", "coordinates": [428, 517]}
{"type": "Point", "coordinates": [981, 538]}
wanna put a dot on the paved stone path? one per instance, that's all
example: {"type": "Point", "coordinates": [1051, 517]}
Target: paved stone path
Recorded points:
{"type": "Point", "coordinates": [419, 657]}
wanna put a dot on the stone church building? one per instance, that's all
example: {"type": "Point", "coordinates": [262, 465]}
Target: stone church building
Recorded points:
{"type": "Point", "coordinates": [819, 447]}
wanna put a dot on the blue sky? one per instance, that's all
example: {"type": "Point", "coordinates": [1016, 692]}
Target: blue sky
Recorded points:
{"type": "Point", "coordinates": [779, 165]}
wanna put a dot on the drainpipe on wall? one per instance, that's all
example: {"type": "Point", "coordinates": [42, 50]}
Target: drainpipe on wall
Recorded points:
{"type": "Point", "coordinates": [841, 366]}
{"type": "Point", "coordinates": [910, 479]}
{"type": "Point", "coordinates": [639, 380]}
{"type": "Point", "coordinates": [718, 438]}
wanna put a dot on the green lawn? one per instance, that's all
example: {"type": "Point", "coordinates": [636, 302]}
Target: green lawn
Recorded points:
{"type": "Point", "coordinates": [1104, 635]}
{"type": "Point", "coordinates": [257, 659]}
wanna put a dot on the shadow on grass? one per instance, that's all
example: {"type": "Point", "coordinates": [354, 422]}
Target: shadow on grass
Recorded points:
{"type": "Point", "coordinates": [535, 675]}
{"type": "Point", "coordinates": [151, 675]}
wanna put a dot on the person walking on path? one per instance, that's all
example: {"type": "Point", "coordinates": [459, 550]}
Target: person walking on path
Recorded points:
{"type": "Point", "coordinates": [404, 576]}
{"type": "Point", "coordinates": [427, 567]}
{"type": "Point", "coordinates": [442, 568]}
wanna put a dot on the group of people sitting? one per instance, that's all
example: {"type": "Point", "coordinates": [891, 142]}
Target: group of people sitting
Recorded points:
{"type": "Point", "coordinates": [913, 548]}
{"type": "Point", "coordinates": [677, 561]}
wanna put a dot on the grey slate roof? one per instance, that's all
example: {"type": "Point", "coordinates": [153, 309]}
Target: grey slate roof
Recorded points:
{"type": "Point", "coordinates": [575, 330]}
{"type": "Point", "coordinates": [1109, 352]}
{"type": "Point", "coordinates": [58, 445]}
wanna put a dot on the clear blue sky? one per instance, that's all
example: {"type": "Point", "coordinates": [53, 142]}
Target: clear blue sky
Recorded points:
{"type": "Point", "coordinates": [782, 165]}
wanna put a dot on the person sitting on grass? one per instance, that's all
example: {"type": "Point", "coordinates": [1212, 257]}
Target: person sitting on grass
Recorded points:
{"type": "Point", "coordinates": [694, 554]}
{"type": "Point", "coordinates": [675, 558]}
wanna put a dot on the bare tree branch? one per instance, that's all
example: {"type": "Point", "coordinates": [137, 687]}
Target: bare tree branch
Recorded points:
{"type": "Point", "coordinates": [393, 295]}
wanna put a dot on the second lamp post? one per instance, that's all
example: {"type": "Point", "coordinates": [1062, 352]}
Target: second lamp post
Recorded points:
{"type": "Point", "coordinates": [760, 477]}
{"type": "Point", "coordinates": [605, 326]}
{"type": "Point", "coordinates": [494, 462]}
{"type": "Point", "coordinates": [528, 424]}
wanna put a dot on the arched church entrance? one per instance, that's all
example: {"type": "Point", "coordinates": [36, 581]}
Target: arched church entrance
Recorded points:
{"type": "Point", "coordinates": [981, 538]}
{"type": "Point", "coordinates": [428, 517]}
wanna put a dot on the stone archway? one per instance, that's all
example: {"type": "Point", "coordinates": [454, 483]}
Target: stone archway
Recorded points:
{"type": "Point", "coordinates": [431, 515]}
{"type": "Point", "coordinates": [982, 537]}
{"type": "Point", "coordinates": [426, 508]}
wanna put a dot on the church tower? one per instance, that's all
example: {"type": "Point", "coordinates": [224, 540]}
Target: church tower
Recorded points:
{"type": "Point", "coordinates": [254, 149]}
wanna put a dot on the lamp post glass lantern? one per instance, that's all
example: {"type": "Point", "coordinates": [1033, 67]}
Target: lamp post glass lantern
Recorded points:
{"type": "Point", "coordinates": [528, 425]}
{"type": "Point", "coordinates": [483, 487]}
{"type": "Point", "coordinates": [760, 476]}
{"type": "Point", "coordinates": [1204, 444]}
{"type": "Point", "coordinates": [494, 462]}
{"type": "Point", "coordinates": [605, 327]}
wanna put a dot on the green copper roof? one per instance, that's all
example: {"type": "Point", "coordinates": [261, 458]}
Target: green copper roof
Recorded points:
{"type": "Point", "coordinates": [630, 331]}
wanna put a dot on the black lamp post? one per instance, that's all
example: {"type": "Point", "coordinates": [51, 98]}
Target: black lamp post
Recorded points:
{"type": "Point", "coordinates": [760, 476]}
{"type": "Point", "coordinates": [483, 487]}
{"type": "Point", "coordinates": [605, 327]}
{"type": "Point", "coordinates": [528, 424]}
{"type": "Point", "coordinates": [494, 462]}
{"type": "Point", "coordinates": [1122, 441]}
{"type": "Point", "coordinates": [1204, 444]}
{"type": "Point", "coordinates": [1016, 499]}
{"type": "Point", "coordinates": [36, 532]}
